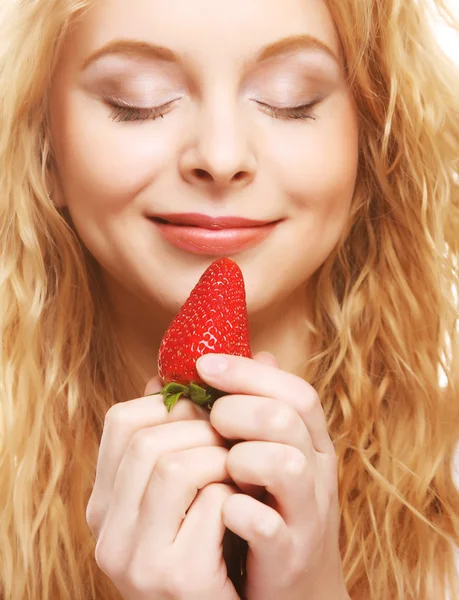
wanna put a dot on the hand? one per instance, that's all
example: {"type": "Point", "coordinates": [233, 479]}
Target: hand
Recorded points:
{"type": "Point", "coordinates": [293, 535]}
{"type": "Point", "coordinates": [156, 505]}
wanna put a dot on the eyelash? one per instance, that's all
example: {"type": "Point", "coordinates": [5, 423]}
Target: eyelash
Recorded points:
{"type": "Point", "coordinates": [123, 112]}
{"type": "Point", "coordinates": [303, 111]}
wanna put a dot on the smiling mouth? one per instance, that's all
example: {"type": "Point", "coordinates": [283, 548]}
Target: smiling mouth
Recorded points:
{"type": "Point", "coordinates": [208, 222]}
{"type": "Point", "coordinates": [210, 227]}
{"type": "Point", "coordinates": [212, 237]}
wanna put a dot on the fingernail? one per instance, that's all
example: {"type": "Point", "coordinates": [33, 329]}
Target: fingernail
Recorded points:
{"type": "Point", "coordinates": [212, 364]}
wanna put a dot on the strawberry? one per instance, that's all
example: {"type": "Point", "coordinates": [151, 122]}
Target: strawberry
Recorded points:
{"type": "Point", "coordinates": [212, 320]}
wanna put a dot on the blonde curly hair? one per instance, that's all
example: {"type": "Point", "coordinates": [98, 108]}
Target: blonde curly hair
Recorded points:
{"type": "Point", "coordinates": [384, 321]}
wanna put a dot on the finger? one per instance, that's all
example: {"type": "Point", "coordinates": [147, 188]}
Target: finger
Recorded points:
{"type": "Point", "coordinates": [203, 527]}
{"type": "Point", "coordinates": [261, 526]}
{"type": "Point", "coordinates": [266, 358]}
{"type": "Point", "coordinates": [154, 386]}
{"type": "Point", "coordinates": [285, 473]}
{"type": "Point", "coordinates": [144, 451]}
{"type": "Point", "coordinates": [136, 468]}
{"type": "Point", "coordinates": [241, 375]}
{"type": "Point", "coordinates": [198, 552]}
{"type": "Point", "coordinates": [238, 417]}
{"type": "Point", "coordinates": [122, 421]}
{"type": "Point", "coordinates": [176, 480]}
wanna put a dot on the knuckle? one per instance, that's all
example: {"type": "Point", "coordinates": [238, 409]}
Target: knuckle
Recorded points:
{"type": "Point", "coordinates": [170, 466]}
{"type": "Point", "coordinates": [109, 560]}
{"type": "Point", "coordinates": [280, 420]}
{"type": "Point", "coordinates": [292, 462]}
{"type": "Point", "coordinates": [116, 416]}
{"type": "Point", "coordinates": [307, 401]}
{"type": "Point", "coordinates": [297, 568]}
{"type": "Point", "coordinates": [141, 580]}
{"type": "Point", "coordinates": [94, 515]}
{"type": "Point", "coordinates": [268, 526]}
{"type": "Point", "coordinates": [143, 442]}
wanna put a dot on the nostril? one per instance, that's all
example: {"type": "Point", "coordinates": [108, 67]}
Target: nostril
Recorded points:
{"type": "Point", "coordinates": [239, 175]}
{"type": "Point", "coordinates": [202, 174]}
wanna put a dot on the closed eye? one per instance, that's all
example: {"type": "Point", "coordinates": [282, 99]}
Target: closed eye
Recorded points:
{"type": "Point", "coordinates": [302, 111]}
{"type": "Point", "coordinates": [124, 111]}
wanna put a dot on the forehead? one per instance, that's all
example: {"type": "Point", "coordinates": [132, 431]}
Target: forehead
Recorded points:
{"type": "Point", "coordinates": [204, 30]}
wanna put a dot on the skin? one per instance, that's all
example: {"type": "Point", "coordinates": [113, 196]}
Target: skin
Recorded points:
{"type": "Point", "coordinates": [216, 152]}
{"type": "Point", "coordinates": [168, 484]}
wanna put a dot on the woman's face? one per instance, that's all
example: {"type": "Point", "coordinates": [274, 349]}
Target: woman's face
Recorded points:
{"type": "Point", "coordinates": [223, 80]}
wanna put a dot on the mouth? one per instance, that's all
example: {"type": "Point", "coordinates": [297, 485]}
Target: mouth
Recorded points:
{"type": "Point", "coordinates": [199, 234]}
{"type": "Point", "coordinates": [208, 222]}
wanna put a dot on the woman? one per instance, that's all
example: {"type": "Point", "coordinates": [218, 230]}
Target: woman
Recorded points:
{"type": "Point", "coordinates": [335, 126]}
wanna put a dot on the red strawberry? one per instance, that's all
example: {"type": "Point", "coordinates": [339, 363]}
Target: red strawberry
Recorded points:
{"type": "Point", "coordinates": [212, 320]}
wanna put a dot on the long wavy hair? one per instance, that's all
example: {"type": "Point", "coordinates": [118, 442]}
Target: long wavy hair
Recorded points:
{"type": "Point", "coordinates": [385, 350]}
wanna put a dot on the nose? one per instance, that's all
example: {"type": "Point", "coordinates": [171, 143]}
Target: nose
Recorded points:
{"type": "Point", "coordinates": [220, 156]}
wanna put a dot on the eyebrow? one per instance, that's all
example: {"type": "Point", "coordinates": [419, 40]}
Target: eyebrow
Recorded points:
{"type": "Point", "coordinates": [138, 48]}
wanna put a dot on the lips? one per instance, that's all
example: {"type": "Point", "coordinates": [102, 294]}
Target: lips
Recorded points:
{"type": "Point", "coordinates": [199, 220]}
{"type": "Point", "coordinates": [214, 236]}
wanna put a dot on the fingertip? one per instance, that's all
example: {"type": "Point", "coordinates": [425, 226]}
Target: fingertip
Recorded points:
{"type": "Point", "coordinates": [266, 358]}
{"type": "Point", "coordinates": [154, 386]}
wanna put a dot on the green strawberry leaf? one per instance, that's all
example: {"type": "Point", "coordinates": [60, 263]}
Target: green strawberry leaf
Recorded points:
{"type": "Point", "coordinates": [170, 400]}
{"type": "Point", "coordinates": [199, 395]}
{"type": "Point", "coordinates": [175, 388]}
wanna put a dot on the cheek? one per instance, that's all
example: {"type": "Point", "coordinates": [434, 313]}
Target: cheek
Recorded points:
{"type": "Point", "coordinates": [318, 169]}
{"type": "Point", "coordinates": [315, 168]}
{"type": "Point", "coordinates": [103, 163]}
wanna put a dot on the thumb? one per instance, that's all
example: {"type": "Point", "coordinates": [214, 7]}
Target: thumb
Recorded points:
{"type": "Point", "coordinates": [154, 386]}
{"type": "Point", "coordinates": [266, 358]}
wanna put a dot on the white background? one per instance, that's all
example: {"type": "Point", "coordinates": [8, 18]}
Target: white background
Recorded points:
{"type": "Point", "coordinates": [448, 37]}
